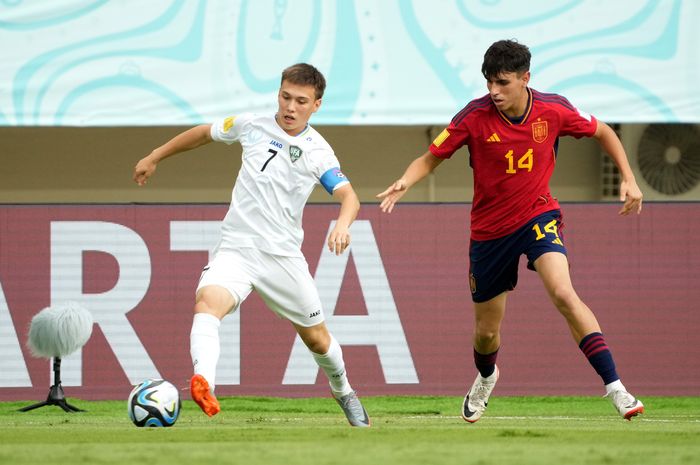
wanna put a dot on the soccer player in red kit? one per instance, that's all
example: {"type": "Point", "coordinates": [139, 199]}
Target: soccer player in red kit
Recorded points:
{"type": "Point", "coordinates": [512, 134]}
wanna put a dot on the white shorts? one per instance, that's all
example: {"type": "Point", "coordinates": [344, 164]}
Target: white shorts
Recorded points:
{"type": "Point", "coordinates": [284, 283]}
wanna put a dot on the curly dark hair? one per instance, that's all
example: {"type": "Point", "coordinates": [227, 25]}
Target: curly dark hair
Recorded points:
{"type": "Point", "coordinates": [304, 74]}
{"type": "Point", "coordinates": [505, 56]}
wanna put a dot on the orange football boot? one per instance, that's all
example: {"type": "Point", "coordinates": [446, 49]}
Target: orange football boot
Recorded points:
{"type": "Point", "coordinates": [199, 390]}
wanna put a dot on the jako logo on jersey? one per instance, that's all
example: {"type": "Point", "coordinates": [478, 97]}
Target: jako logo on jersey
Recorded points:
{"type": "Point", "coordinates": [316, 313]}
{"type": "Point", "coordinates": [295, 153]}
{"type": "Point", "coordinates": [494, 138]}
{"type": "Point", "coordinates": [276, 144]}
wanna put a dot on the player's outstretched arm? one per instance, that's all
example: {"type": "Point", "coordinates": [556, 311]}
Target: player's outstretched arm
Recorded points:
{"type": "Point", "coordinates": [188, 140]}
{"type": "Point", "coordinates": [630, 193]}
{"type": "Point", "coordinates": [339, 238]}
{"type": "Point", "coordinates": [417, 170]}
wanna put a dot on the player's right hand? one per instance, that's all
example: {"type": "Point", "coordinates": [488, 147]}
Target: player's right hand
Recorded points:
{"type": "Point", "coordinates": [392, 195]}
{"type": "Point", "coordinates": [631, 195]}
{"type": "Point", "coordinates": [143, 170]}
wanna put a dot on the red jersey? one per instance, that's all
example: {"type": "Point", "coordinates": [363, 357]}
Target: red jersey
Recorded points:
{"type": "Point", "coordinates": [512, 160]}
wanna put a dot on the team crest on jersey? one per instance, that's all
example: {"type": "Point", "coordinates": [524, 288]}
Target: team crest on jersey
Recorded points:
{"type": "Point", "coordinates": [539, 131]}
{"type": "Point", "coordinates": [295, 153]}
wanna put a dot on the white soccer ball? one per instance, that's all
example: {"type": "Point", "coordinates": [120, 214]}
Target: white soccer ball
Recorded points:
{"type": "Point", "coordinates": [154, 402]}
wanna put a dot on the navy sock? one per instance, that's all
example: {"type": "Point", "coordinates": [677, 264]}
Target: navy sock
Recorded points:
{"type": "Point", "coordinates": [598, 354]}
{"type": "Point", "coordinates": [485, 363]}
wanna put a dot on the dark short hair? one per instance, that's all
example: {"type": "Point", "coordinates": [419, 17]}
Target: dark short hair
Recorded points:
{"type": "Point", "coordinates": [505, 56]}
{"type": "Point", "coordinates": [303, 74]}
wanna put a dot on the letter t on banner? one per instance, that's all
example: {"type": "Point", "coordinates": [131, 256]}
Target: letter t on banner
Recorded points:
{"type": "Point", "coordinates": [203, 235]}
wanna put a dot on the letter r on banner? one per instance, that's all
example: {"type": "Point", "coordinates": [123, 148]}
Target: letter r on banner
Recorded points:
{"type": "Point", "coordinates": [69, 239]}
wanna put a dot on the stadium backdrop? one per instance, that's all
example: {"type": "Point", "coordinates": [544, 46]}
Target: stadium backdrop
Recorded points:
{"type": "Point", "coordinates": [398, 302]}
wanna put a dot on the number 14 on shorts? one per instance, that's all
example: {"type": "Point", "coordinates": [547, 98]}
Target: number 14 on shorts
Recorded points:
{"type": "Point", "coordinates": [551, 228]}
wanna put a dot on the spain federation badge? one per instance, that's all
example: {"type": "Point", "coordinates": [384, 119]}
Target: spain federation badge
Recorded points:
{"type": "Point", "coordinates": [295, 153]}
{"type": "Point", "coordinates": [539, 131]}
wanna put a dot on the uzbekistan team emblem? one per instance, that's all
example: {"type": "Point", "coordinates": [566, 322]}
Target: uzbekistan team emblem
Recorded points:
{"type": "Point", "coordinates": [295, 153]}
{"type": "Point", "coordinates": [539, 131]}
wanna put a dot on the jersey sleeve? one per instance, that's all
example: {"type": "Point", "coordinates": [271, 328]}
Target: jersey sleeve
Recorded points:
{"type": "Point", "coordinates": [577, 123]}
{"type": "Point", "coordinates": [450, 140]}
{"type": "Point", "coordinates": [329, 174]}
{"type": "Point", "coordinates": [229, 129]}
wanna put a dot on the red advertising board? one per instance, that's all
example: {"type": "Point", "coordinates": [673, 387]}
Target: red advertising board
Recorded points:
{"type": "Point", "coordinates": [398, 302]}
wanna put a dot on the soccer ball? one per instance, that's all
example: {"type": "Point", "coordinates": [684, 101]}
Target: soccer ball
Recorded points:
{"type": "Point", "coordinates": [154, 402]}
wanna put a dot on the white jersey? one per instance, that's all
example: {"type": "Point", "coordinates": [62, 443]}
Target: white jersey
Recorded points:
{"type": "Point", "coordinates": [277, 175]}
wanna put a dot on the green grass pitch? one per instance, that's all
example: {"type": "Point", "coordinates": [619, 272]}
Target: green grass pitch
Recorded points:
{"type": "Point", "coordinates": [405, 430]}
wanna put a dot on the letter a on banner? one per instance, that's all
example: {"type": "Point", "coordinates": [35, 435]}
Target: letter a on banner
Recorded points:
{"type": "Point", "coordinates": [381, 327]}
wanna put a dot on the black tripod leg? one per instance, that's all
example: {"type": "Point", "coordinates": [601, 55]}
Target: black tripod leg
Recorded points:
{"type": "Point", "coordinates": [56, 396]}
{"type": "Point", "coordinates": [33, 406]}
{"type": "Point", "coordinates": [70, 408]}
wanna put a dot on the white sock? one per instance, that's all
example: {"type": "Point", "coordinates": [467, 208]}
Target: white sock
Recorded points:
{"type": "Point", "coordinates": [204, 346]}
{"type": "Point", "coordinates": [333, 365]}
{"type": "Point", "coordinates": [614, 386]}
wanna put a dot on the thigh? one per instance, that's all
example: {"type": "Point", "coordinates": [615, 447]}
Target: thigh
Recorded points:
{"type": "Point", "coordinates": [543, 235]}
{"type": "Point", "coordinates": [289, 290]}
{"type": "Point", "coordinates": [215, 300]}
{"type": "Point", "coordinates": [553, 269]}
{"type": "Point", "coordinates": [229, 270]}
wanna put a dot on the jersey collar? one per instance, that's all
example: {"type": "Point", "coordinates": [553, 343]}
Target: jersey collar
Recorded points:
{"type": "Point", "coordinates": [303, 131]}
{"type": "Point", "coordinates": [518, 120]}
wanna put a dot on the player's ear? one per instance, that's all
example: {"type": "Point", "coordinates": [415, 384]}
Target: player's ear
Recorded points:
{"type": "Point", "coordinates": [526, 77]}
{"type": "Point", "coordinates": [317, 105]}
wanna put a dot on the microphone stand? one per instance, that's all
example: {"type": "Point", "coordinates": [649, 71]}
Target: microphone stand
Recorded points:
{"type": "Point", "coordinates": [56, 396]}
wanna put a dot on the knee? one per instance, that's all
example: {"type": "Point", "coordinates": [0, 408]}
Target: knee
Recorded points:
{"type": "Point", "coordinates": [485, 339]}
{"type": "Point", "coordinates": [318, 345]}
{"type": "Point", "coordinates": [203, 307]}
{"type": "Point", "coordinates": [215, 301]}
{"type": "Point", "coordinates": [565, 299]}
{"type": "Point", "coordinates": [317, 340]}
{"type": "Point", "coordinates": [485, 335]}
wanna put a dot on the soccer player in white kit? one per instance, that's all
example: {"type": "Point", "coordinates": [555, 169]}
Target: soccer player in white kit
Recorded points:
{"type": "Point", "coordinates": [260, 248]}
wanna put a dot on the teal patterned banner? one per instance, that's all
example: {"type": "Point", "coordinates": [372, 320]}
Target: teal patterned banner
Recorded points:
{"type": "Point", "coordinates": [183, 62]}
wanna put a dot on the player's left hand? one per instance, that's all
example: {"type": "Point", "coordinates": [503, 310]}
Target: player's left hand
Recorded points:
{"type": "Point", "coordinates": [631, 195]}
{"type": "Point", "coordinates": [338, 240]}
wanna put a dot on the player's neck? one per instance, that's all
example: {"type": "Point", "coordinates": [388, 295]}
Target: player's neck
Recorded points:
{"type": "Point", "coordinates": [518, 109]}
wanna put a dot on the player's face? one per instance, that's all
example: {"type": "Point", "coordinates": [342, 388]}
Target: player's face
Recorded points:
{"type": "Point", "coordinates": [296, 105]}
{"type": "Point", "coordinates": [508, 92]}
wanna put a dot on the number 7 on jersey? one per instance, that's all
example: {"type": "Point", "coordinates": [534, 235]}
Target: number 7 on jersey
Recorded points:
{"type": "Point", "coordinates": [273, 152]}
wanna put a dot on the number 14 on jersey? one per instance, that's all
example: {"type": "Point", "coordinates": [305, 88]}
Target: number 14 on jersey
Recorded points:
{"type": "Point", "coordinates": [523, 163]}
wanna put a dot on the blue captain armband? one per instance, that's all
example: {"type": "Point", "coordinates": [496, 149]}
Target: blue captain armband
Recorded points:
{"type": "Point", "coordinates": [332, 179]}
